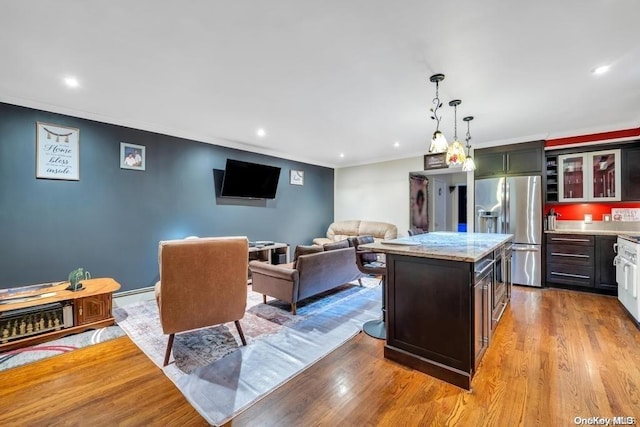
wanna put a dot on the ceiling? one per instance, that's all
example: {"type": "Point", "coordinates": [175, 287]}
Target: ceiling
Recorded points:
{"type": "Point", "coordinates": [328, 77]}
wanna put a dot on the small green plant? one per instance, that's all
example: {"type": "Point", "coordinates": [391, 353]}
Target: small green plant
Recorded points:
{"type": "Point", "coordinates": [75, 278]}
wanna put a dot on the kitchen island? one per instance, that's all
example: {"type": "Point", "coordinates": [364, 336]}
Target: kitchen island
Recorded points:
{"type": "Point", "coordinates": [445, 294]}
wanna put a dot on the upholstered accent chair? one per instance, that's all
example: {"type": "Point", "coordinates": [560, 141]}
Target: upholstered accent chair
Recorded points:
{"type": "Point", "coordinates": [203, 282]}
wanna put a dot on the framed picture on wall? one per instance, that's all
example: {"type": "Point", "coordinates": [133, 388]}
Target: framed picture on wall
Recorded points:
{"type": "Point", "coordinates": [296, 177]}
{"type": "Point", "coordinates": [132, 156]}
{"type": "Point", "coordinates": [418, 207]}
{"type": "Point", "coordinates": [57, 152]}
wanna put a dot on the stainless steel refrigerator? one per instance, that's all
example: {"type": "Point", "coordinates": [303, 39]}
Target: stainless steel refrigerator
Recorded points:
{"type": "Point", "coordinates": [513, 205]}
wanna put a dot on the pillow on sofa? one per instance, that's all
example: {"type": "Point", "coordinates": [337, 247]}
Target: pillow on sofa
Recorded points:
{"type": "Point", "coordinates": [336, 245]}
{"type": "Point", "coordinates": [305, 250]}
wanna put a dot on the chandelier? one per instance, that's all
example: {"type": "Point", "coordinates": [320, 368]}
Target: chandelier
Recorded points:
{"type": "Point", "coordinates": [469, 164]}
{"type": "Point", "coordinates": [438, 141]}
{"type": "Point", "coordinates": [455, 151]}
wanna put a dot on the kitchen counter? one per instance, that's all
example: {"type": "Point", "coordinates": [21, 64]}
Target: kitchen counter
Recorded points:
{"type": "Point", "coordinates": [443, 300]}
{"type": "Point", "coordinates": [468, 247]}
{"type": "Point", "coordinates": [604, 228]}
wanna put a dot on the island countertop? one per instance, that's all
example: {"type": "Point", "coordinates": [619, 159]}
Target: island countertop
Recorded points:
{"type": "Point", "coordinates": [468, 247]}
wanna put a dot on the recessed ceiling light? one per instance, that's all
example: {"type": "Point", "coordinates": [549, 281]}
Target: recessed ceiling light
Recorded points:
{"type": "Point", "coordinates": [601, 69]}
{"type": "Point", "coordinates": [261, 133]}
{"type": "Point", "coordinates": [396, 144]}
{"type": "Point", "coordinates": [342, 155]}
{"type": "Point", "coordinates": [71, 82]}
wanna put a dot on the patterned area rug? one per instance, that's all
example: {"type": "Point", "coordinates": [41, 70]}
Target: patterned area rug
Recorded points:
{"type": "Point", "coordinates": [22, 356]}
{"type": "Point", "coordinates": [220, 377]}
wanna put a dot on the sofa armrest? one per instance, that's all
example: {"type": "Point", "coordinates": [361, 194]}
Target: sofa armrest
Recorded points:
{"type": "Point", "coordinates": [274, 280]}
{"type": "Point", "coordinates": [277, 271]}
{"type": "Point", "coordinates": [321, 241]}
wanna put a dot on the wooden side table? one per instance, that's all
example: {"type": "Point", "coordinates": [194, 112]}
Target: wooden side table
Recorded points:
{"type": "Point", "coordinates": [53, 312]}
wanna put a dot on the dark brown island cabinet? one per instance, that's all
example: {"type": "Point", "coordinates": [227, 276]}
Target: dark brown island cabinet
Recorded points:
{"type": "Point", "coordinates": [446, 293]}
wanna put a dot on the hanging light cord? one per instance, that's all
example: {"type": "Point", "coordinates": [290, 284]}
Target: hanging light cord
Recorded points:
{"type": "Point", "coordinates": [455, 122]}
{"type": "Point", "coordinates": [438, 104]}
{"type": "Point", "coordinates": [468, 138]}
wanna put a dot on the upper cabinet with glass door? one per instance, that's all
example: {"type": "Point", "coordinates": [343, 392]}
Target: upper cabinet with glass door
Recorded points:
{"type": "Point", "coordinates": [588, 177]}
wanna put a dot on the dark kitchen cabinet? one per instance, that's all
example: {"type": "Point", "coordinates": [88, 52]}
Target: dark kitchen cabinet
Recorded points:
{"type": "Point", "coordinates": [570, 259]}
{"type": "Point", "coordinates": [581, 261]}
{"type": "Point", "coordinates": [605, 270]}
{"type": "Point", "coordinates": [551, 179]}
{"type": "Point", "coordinates": [631, 174]}
{"type": "Point", "coordinates": [515, 159]}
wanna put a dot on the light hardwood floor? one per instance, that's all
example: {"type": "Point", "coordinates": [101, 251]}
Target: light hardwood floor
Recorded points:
{"type": "Point", "coordinates": [556, 355]}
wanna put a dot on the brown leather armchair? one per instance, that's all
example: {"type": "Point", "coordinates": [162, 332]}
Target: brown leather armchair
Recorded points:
{"type": "Point", "coordinates": [203, 282]}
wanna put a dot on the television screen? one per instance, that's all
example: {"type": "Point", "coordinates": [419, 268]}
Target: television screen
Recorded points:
{"type": "Point", "coordinates": [249, 180]}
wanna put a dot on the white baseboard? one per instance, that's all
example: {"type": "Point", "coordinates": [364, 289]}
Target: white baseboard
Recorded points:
{"type": "Point", "coordinates": [120, 299]}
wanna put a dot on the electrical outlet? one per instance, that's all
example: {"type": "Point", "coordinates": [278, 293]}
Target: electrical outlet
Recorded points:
{"type": "Point", "coordinates": [588, 218]}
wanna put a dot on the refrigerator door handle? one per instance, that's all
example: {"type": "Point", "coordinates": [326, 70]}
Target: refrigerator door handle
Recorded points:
{"type": "Point", "coordinates": [507, 209]}
{"type": "Point", "coordinates": [526, 249]}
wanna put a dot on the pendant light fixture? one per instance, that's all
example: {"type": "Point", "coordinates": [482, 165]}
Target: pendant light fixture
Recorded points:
{"type": "Point", "coordinates": [455, 152]}
{"type": "Point", "coordinates": [438, 142]}
{"type": "Point", "coordinates": [469, 164]}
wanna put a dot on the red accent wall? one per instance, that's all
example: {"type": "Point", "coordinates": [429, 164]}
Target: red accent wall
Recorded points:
{"type": "Point", "coordinates": [576, 211]}
{"type": "Point", "coordinates": [594, 137]}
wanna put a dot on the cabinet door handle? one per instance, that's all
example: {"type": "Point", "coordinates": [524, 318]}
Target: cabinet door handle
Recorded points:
{"type": "Point", "coordinates": [567, 239]}
{"type": "Point", "coordinates": [485, 268]}
{"type": "Point", "coordinates": [569, 255]}
{"type": "Point", "coordinates": [577, 276]}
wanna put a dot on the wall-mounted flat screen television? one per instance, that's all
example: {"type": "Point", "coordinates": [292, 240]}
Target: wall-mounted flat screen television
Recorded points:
{"type": "Point", "coordinates": [249, 180]}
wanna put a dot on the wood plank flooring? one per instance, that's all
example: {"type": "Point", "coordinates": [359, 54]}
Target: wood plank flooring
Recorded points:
{"type": "Point", "coordinates": [555, 355]}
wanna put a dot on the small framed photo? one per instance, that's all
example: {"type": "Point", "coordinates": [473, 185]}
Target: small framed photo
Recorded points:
{"type": "Point", "coordinates": [296, 177]}
{"type": "Point", "coordinates": [132, 156]}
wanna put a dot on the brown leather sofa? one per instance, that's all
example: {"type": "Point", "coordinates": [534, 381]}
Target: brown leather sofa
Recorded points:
{"type": "Point", "coordinates": [308, 275]}
{"type": "Point", "coordinates": [341, 230]}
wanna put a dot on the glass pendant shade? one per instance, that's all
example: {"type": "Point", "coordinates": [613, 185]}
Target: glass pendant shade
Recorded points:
{"type": "Point", "coordinates": [439, 143]}
{"type": "Point", "coordinates": [469, 165]}
{"type": "Point", "coordinates": [455, 154]}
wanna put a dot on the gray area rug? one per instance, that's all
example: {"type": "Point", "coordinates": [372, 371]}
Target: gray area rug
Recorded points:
{"type": "Point", "coordinates": [221, 378]}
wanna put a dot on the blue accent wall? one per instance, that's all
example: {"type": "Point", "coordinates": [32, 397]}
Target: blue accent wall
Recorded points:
{"type": "Point", "coordinates": [111, 220]}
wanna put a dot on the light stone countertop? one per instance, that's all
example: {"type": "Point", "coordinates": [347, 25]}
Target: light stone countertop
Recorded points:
{"type": "Point", "coordinates": [467, 247]}
{"type": "Point", "coordinates": [605, 228]}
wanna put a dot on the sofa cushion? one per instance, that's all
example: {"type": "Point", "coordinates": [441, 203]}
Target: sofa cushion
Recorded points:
{"type": "Point", "coordinates": [336, 245]}
{"type": "Point", "coordinates": [379, 230]}
{"type": "Point", "coordinates": [305, 250]}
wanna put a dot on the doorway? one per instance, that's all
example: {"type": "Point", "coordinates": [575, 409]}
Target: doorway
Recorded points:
{"type": "Point", "coordinates": [462, 208]}
{"type": "Point", "coordinates": [439, 205]}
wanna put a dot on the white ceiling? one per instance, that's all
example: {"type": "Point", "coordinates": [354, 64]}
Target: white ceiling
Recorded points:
{"type": "Point", "coordinates": [328, 77]}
